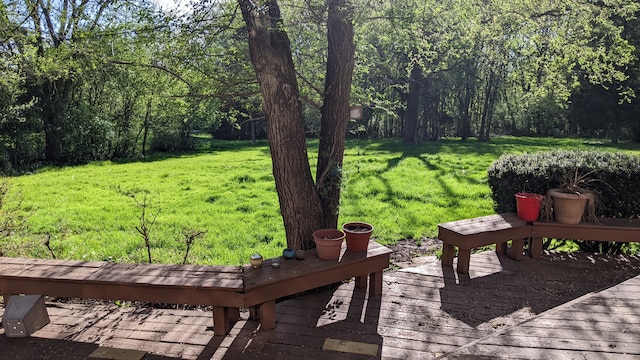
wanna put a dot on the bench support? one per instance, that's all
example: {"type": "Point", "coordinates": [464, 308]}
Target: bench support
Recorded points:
{"type": "Point", "coordinates": [375, 283]}
{"type": "Point", "coordinates": [535, 247]}
{"type": "Point", "coordinates": [467, 234]}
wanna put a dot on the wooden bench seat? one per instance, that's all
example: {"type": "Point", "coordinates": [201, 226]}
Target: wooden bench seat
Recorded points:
{"type": "Point", "coordinates": [605, 229]}
{"type": "Point", "coordinates": [218, 286]}
{"type": "Point", "coordinates": [468, 234]}
{"type": "Point", "coordinates": [266, 284]}
{"type": "Point", "coordinates": [225, 288]}
{"type": "Point", "coordinates": [497, 229]}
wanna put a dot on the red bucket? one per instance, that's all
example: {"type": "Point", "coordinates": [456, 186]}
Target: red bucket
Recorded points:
{"type": "Point", "coordinates": [528, 206]}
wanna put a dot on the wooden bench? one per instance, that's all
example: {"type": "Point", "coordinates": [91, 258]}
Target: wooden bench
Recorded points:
{"type": "Point", "coordinates": [605, 229]}
{"type": "Point", "coordinates": [468, 234]}
{"type": "Point", "coordinates": [225, 288]}
{"type": "Point", "coordinates": [498, 229]}
{"type": "Point", "coordinates": [264, 285]}
{"type": "Point", "coordinates": [218, 286]}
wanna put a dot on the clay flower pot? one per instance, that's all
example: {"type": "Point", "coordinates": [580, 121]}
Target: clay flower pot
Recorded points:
{"type": "Point", "coordinates": [358, 235]}
{"type": "Point", "coordinates": [328, 243]}
{"type": "Point", "coordinates": [569, 208]}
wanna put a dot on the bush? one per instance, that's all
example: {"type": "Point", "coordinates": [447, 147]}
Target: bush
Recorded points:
{"type": "Point", "coordinates": [616, 178]}
{"type": "Point", "coordinates": [613, 177]}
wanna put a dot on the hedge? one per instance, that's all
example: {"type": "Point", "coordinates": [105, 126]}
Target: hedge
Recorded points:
{"type": "Point", "coordinates": [614, 177]}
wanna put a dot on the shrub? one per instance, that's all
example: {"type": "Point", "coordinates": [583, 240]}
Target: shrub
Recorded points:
{"type": "Point", "coordinates": [613, 177]}
{"type": "Point", "coordinates": [616, 178]}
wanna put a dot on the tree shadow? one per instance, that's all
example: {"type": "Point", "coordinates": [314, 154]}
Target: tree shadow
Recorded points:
{"type": "Point", "coordinates": [340, 322]}
{"type": "Point", "coordinates": [534, 285]}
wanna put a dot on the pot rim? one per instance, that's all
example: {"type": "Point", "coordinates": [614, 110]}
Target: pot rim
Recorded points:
{"type": "Point", "coordinates": [563, 195]}
{"type": "Point", "coordinates": [358, 223]}
{"type": "Point", "coordinates": [328, 234]}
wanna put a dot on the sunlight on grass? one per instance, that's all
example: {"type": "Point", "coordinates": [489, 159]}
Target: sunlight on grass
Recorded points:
{"type": "Point", "coordinates": [91, 212]}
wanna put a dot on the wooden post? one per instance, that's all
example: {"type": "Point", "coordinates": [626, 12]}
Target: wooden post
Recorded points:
{"type": "Point", "coordinates": [268, 315]}
{"type": "Point", "coordinates": [517, 249]}
{"type": "Point", "coordinates": [536, 247]}
{"type": "Point", "coordinates": [448, 252]}
{"type": "Point", "coordinates": [464, 257]}
{"type": "Point", "coordinates": [221, 326]}
{"type": "Point", "coordinates": [375, 283]}
{"type": "Point", "coordinates": [361, 282]}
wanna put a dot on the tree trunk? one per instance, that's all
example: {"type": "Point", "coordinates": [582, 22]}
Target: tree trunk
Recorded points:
{"type": "Point", "coordinates": [490, 95]}
{"type": "Point", "coordinates": [53, 102]}
{"type": "Point", "coordinates": [270, 52]}
{"type": "Point", "coordinates": [146, 125]}
{"type": "Point", "coordinates": [335, 109]}
{"type": "Point", "coordinates": [617, 125]}
{"type": "Point", "coordinates": [410, 131]}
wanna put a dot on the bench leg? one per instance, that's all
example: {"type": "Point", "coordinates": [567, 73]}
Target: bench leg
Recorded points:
{"type": "Point", "coordinates": [221, 324]}
{"type": "Point", "coordinates": [268, 315]}
{"type": "Point", "coordinates": [375, 283]}
{"type": "Point", "coordinates": [536, 247]}
{"type": "Point", "coordinates": [254, 313]}
{"type": "Point", "coordinates": [464, 257]}
{"type": "Point", "coordinates": [361, 282]}
{"type": "Point", "coordinates": [501, 248]}
{"type": "Point", "coordinates": [234, 315]}
{"type": "Point", "coordinates": [448, 252]}
{"type": "Point", "coordinates": [517, 249]}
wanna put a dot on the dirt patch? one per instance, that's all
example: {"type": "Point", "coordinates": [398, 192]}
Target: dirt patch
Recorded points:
{"type": "Point", "coordinates": [406, 251]}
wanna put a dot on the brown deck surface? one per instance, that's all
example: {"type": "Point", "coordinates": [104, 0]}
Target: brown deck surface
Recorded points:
{"type": "Point", "coordinates": [561, 307]}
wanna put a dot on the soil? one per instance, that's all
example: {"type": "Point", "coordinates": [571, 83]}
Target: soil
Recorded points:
{"type": "Point", "coordinates": [406, 252]}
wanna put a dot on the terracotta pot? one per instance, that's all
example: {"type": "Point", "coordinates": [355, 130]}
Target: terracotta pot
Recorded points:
{"type": "Point", "coordinates": [528, 206]}
{"type": "Point", "coordinates": [358, 235]}
{"type": "Point", "coordinates": [568, 208]}
{"type": "Point", "coordinates": [328, 243]}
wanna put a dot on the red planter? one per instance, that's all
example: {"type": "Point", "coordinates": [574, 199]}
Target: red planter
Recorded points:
{"type": "Point", "coordinates": [357, 234]}
{"type": "Point", "coordinates": [528, 206]}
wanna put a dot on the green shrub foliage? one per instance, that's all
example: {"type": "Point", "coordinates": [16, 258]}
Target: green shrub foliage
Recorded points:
{"type": "Point", "coordinates": [614, 177]}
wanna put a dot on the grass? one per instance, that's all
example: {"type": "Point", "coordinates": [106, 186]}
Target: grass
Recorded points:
{"type": "Point", "coordinates": [91, 212]}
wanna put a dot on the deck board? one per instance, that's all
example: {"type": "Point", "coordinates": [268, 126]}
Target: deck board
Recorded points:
{"type": "Point", "coordinates": [561, 307]}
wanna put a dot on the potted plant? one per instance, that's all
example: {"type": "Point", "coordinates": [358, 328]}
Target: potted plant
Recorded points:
{"type": "Point", "coordinates": [328, 243]}
{"type": "Point", "coordinates": [357, 235]}
{"type": "Point", "coordinates": [572, 198]}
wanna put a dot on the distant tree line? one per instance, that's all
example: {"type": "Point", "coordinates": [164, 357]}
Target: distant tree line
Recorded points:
{"type": "Point", "coordinates": [86, 80]}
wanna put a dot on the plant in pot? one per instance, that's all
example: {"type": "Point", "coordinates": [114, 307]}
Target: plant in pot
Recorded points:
{"type": "Point", "coordinates": [573, 200]}
{"type": "Point", "coordinates": [357, 235]}
{"type": "Point", "coordinates": [328, 243]}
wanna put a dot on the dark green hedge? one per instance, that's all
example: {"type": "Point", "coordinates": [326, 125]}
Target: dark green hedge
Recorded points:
{"type": "Point", "coordinates": [615, 178]}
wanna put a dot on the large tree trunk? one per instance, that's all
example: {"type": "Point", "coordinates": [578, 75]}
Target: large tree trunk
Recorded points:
{"type": "Point", "coordinates": [490, 95]}
{"type": "Point", "coordinates": [335, 109]}
{"type": "Point", "coordinates": [410, 131]}
{"type": "Point", "coordinates": [270, 52]}
{"type": "Point", "coordinates": [53, 103]}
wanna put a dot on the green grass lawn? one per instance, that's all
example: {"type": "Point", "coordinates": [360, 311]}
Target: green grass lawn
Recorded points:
{"type": "Point", "coordinates": [227, 189]}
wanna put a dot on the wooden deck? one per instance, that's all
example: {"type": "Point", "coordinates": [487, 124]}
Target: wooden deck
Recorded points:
{"type": "Point", "coordinates": [559, 307]}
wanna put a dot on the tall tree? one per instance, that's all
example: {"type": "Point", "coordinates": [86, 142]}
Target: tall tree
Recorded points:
{"type": "Point", "coordinates": [58, 25]}
{"type": "Point", "coordinates": [305, 205]}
